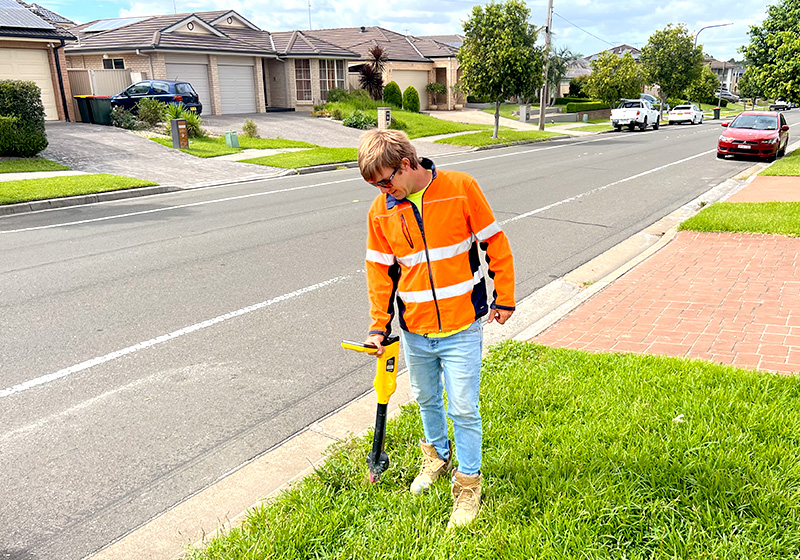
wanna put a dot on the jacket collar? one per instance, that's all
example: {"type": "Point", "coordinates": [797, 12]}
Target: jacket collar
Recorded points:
{"type": "Point", "coordinates": [426, 163]}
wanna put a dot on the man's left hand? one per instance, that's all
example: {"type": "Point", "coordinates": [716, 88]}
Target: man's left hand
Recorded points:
{"type": "Point", "coordinates": [499, 315]}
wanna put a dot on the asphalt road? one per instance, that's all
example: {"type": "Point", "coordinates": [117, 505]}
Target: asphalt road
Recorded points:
{"type": "Point", "coordinates": [150, 346]}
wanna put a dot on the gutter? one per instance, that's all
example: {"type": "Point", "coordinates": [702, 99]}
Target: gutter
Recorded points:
{"type": "Point", "coordinates": [61, 80]}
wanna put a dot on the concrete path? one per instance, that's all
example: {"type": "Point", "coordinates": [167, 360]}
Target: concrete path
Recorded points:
{"type": "Point", "coordinates": [477, 116]}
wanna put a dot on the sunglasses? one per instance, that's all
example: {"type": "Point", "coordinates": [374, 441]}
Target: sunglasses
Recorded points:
{"type": "Point", "coordinates": [385, 182]}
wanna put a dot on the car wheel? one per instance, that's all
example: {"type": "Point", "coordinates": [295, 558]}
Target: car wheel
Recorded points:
{"type": "Point", "coordinates": [643, 126]}
{"type": "Point", "coordinates": [631, 126]}
{"type": "Point", "coordinates": [656, 125]}
{"type": "Point", "coordinates": [782, 152]}
{"type": "Point", "coordinates": [701, 119]}
{"type": "Point", "coordinates": [617, 128]}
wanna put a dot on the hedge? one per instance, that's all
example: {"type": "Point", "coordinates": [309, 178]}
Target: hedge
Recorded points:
{"type": "Point", "coordinates": [592, 106]}
{"type": "Point", "coordinates": [411, 99]}
{"type": "Point", "coordinates": [21, 119]}
{"type": "Point", "coordinates": [565, 100]}
{"type": "Point", "coordinates": [392, 94]}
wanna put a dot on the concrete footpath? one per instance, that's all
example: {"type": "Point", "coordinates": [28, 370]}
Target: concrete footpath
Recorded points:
{"type": "Point", "coordinates": [728, 298]}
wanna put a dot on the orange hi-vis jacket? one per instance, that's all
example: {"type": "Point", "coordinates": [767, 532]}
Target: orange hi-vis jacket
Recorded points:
{"type": "Point", "coordinates": [429, 265]}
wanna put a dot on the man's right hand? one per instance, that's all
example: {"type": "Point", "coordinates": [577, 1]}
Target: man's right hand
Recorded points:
{"type": "Point", "coordinates": [376, 340]}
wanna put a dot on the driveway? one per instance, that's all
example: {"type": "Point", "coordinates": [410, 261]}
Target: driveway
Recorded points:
{"type": "Point", "coordinates": [105, 149]}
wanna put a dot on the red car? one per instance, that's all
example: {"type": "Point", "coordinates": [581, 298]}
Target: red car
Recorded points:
{"type": "Point", "coordinates": [755, 133]}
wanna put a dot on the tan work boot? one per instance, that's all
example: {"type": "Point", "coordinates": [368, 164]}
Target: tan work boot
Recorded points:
{"type": "Point", "coordinates": [467, 499]}
{"type": "Point", "coordinates": [432, 468]}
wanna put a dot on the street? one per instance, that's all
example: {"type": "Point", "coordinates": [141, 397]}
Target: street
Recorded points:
{"type": "Point", "coordinates": [150, 346]}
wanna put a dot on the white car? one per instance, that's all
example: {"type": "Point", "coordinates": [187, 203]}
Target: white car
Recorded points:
{"type": "Point", "coordinates": [685, 113]}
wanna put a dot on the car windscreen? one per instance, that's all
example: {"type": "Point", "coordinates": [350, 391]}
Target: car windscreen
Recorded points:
{"type": "Point", "coordinates": [756, 122]}
{"type": "Point", "coordinates": [630, 105]}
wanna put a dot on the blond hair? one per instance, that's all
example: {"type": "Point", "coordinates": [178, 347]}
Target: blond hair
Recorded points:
{"type": "Point", "coordinates": [384, 149]}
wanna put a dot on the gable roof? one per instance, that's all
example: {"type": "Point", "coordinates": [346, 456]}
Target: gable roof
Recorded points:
{"type": "Point", "coordinates": [620, 51]}
{"type": "Point", "coordinates": [455, 40]}
{"type": "Point", "coordinates": [398, 47]}
{"type": "Point", "coordinates": [170, 33]}
{"type": "Point", "coordinates": [17, 20]}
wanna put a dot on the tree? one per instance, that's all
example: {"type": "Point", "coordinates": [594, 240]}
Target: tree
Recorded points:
{"type": "Point", "coordinates": [499, 57]}
{"type": "Point", "coordinates": [371, 78]}
{"type": "Point", "coordinates": [774, 51]}
{"type": "Point", "coordinates": [577, 86]}
{"type": "Point", "coordinates": [749, 87]}
{"type": "Point", "coordinates": [557, 69]}
{"type": "Point", "coordinates": [671, 60]}
{"type": "Point", "coordinates": [702, 90]}
{"type": "Point", "coordinates": [614, 78]}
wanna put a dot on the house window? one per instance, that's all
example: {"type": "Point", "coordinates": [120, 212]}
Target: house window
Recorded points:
{"type": "Point", "coordinates": [331, 75]}
{"type": "Point", "coordinates": [113, 63]}
{"type": "Point", "coordinates": [302, 78]}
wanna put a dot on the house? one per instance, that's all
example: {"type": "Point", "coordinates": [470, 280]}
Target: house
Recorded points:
{"type": "Point", "coordinates": [619, 50]}
{"type": "Point", "coordinates": [727, 71]}
{"type": "Point", "coordinates": [32, 45]}
{"type": "Point", "coordinates": [235, 66]}
{"type": "Point", "coordinates": [410, 61]}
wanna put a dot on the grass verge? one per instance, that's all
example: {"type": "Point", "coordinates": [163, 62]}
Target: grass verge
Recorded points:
{"type": "Point", "coordinates": [595, 127]}
{"type": "Point", "coordinates": [780, 218]}
{"type": "Point", "coordinates": [507, 110]}
{"type": "Point", "coordinates": [25, 165]}
{"type": "Point", "coordinates": [586, 456]}
{"type": "Point", "coordinates": [307, 158]}
{"type": "Point", "coordinates": [787, 165]}
{"type": "Point", "coordinates": [213, 146]}
{"type": "Point", "coordinates": [503, 137]}
{"type": "Point", "coordinates": [55, 187]}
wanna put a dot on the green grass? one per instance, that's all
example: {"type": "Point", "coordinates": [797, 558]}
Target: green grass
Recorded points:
{"type": "Point", "coordinates": [503, 137]}
{"type": "Point", "coordinates": [55, 187]}
{"type": "Point", "coordinates": [781, 218]}
{"type": "Point", "coordinates": [787, 165]}
{"type": "Point", "coordinates": [507, 110]}
{"type": "Point", "coordinates": [586, 456]}
{"type": "Point", "coordinates": [595, 127]}
{"type": "Point", "coordinates": [215, 146]}
{"type": "Point", "coordinates": [24, 165]}
{"type": "Point", "coordinates": [306, 158]}
{"type": "Point", "coordinates": [419, 125]}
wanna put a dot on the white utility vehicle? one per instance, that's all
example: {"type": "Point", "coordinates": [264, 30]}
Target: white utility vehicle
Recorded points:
{"type": "Point", "coordinates": [633, 113]}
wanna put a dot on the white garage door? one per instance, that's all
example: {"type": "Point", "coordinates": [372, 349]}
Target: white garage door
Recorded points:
{"type": "Point", "coordinates": [195, 74]}
{"type": "Point", "coordinates": [237, 88]}
{"type": "Point", "coordinates": [418, 79]}
{"type": "Point", "coordinates": [30, 65]}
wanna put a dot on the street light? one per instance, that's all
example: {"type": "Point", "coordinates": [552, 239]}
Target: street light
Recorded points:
{"type": "Point", "coordinates": [709, 27]}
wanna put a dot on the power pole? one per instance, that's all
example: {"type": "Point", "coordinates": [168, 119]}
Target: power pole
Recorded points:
{"type": "Point", "coordinates": [545, 94]}
{"type": "Point", "coordinates": [309, 14]}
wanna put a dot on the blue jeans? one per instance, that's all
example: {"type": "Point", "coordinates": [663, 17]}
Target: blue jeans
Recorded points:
{"type": "Point", "coordinates": [457, 359]}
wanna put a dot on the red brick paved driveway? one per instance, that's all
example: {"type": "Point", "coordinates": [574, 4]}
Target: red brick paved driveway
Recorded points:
{"type": "Point", "coordinates": [728, 298]}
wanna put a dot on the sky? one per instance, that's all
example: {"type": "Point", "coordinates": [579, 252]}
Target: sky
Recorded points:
{"type": "Point", "coordinates": [585, 27]}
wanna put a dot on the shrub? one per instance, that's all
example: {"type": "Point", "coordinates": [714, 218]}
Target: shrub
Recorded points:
{"type": "Point", "coordinates": [565, 100]}
{"type": "Point", "coordinates": [337, 94]}
{"type": "Point", "coordinates": [592, 106]}
{"type": "Point", "coordinates": [360, 120]}
{"type": "Point", "coordinates": [22, 131]}
{"type": "Point", "coordinates": [193, 121]}
{"type": "Point", "coordinates": [151, 111]}
{"type": "Point", "coordinates": [122, 118]}
{"type": "Point", "coordinates": [337, 114]}
{"type": "Point", "coordinates": [723, 103]}
{"type": "Point", "coordinates": [411, 100]}
{"type": "Point", "coordinates": [250, 129]}
{"type": "Point", "coordinates": [436, 89]}
{"type": "Point", "coordinates": [397, 124]}
{"type": "Point", "coordinates": [392, 94]}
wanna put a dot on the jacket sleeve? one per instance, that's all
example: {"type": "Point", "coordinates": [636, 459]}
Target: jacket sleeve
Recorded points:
{"type": "Point", "coordinates": [494, 242]}
{"type": "Point", "coordinates": [383, 273]}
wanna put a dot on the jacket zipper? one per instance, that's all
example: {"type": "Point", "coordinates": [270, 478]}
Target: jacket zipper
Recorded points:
{"type": "Point", "coordinates": [427, 260]}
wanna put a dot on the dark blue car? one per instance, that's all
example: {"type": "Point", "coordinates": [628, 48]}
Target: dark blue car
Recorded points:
{"type": "Point", "coordinates": [161, 90]}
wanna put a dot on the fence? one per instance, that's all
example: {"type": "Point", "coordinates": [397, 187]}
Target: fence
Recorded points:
{"type": "Point", "coordinates": [83, 81]}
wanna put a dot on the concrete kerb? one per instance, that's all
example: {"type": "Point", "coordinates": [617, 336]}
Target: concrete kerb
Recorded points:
{"type": "Point", "coordinates": [275, 470]}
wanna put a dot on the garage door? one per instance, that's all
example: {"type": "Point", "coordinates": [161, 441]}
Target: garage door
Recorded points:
{"type": "Point", "coordinates": [30, 65]}
{"type": "Point", "coordinates": [419, 80]}
{"type": "Point", "coordinates": [195, 74]}
{"type": "Point", "coordinates": [237, 89]}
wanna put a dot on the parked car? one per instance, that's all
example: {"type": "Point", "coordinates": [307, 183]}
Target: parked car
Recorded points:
{"type": "Point", "coordinates": [161, 90]}
{"type": "Point", "coordinates": [780, 105]}
{"type": "Point", "coordinates": [685, 113]}
{"type": "Point", "coordinates": [633, 113]}
{"type": "Point", "coordinates": [654, 101]}
{"type": "Point", "coordinates": [755, 133]}
{"type": "Point", "coordinates": [723, 93]}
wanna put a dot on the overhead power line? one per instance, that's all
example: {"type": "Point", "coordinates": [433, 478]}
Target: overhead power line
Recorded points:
{"type": "Point", "coordinates": [582, 29]}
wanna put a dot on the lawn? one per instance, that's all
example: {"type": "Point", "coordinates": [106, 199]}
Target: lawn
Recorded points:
{"type": "Point", "coordinates": [484, 138]}
{"type": "Point", "coordinates": [25, 165]}
{"type": "Point", "coordinates": [586, 456]}
{"type": "Point", "coordinates": [307, 158]}
{"type": "Point", "coordinates": [787, 165]}
{"type": "Point", "coordinates": [507, 110]}
{"type": "Point", "coordinates": [212, 146]}
{"type": "Point", "coordinates": [606, 125]}
{"type": "Point", "coordinates": [419, 125]}
{"type": "Point", "coordinates": [55, 187]}
{"type": "Point", "coordinates": [782, 218]}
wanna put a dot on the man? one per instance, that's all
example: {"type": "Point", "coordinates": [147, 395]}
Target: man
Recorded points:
{"type": "Point", "coordinates": [422, 254]}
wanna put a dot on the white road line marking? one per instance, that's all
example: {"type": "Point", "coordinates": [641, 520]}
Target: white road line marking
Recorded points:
{"type": "Point", "coordinates": [598, 189]}
{"type": "Point", "coordinates": [159, 339]}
